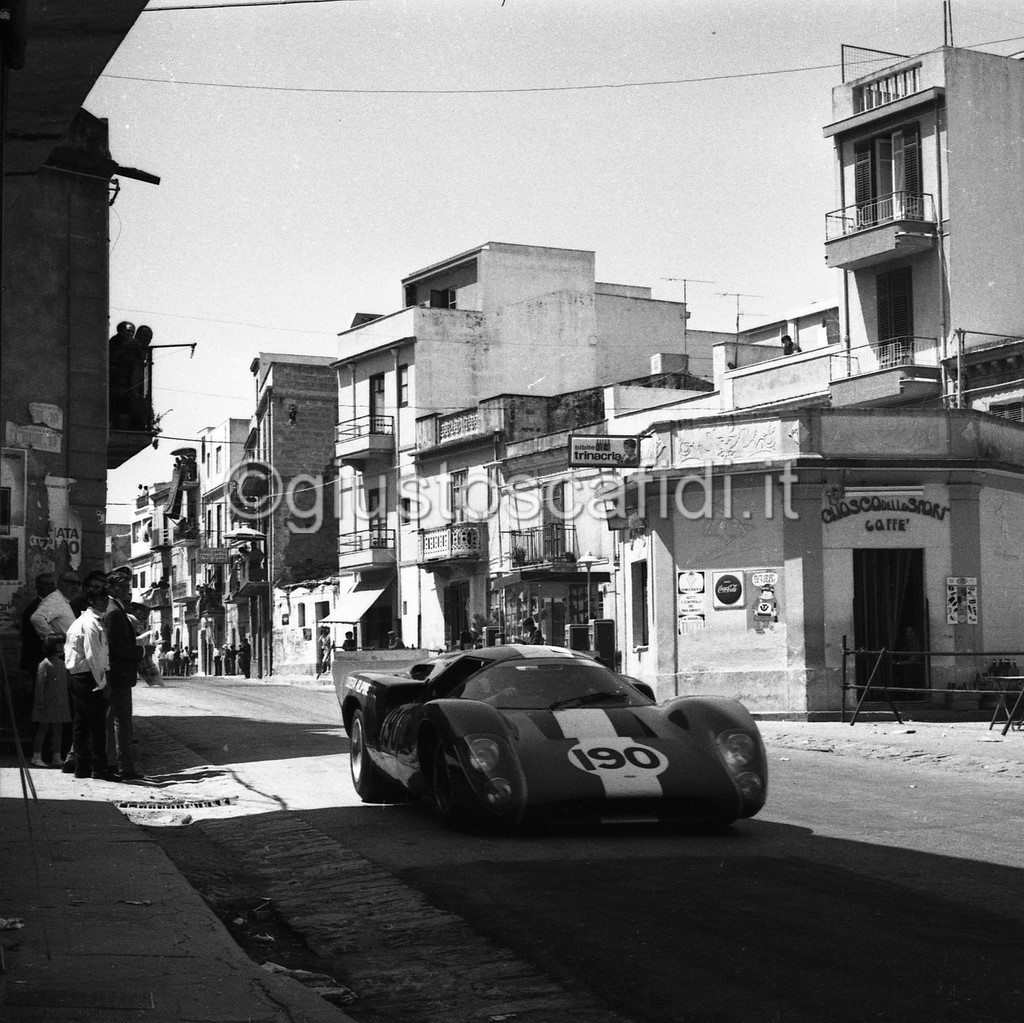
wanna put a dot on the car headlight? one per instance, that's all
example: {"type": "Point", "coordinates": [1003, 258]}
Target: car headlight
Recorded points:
{"type": "Point", "coordinates": [484, 754]}
{"type": "Point", "coordinates": [739, 750]}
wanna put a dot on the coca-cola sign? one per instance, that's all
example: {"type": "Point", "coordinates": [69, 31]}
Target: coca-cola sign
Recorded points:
{"type": "Point", "coordinates": [728, 590]}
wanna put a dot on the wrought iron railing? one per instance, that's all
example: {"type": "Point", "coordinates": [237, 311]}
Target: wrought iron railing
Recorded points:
{"type": "Point", "coordinates": [374, 538]}
{"type": "Point", "coordinates": [885, 209]}
{"type": "Point", "coordinates": [365, 426]}
{"type": "Point", "coordinates": [542, 544]}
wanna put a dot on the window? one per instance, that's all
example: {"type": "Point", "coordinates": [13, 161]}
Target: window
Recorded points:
{"type": "Point", "coordinates": [458, 494]}
{"type": "Point", "coordinates": [887, 177]}
{"type": "Point", "coordinates": [403, 386]}
{"type": "Point", "coordinates": [641, 634]}
{"type": "Point", "coordinates": [1013, 410]}
{"type": "Point", "coordinates": [300, 614]}
{"type": "Point", "coordinates": [5, 511]}
{"type": "Point", "coordinates": [322, 609]}
{"type": "Point", "coordinates": [405, 511]}
{"type": "Point", "coordinates": [895, 305]}
{"type": "Point", "coordinates": [377, 403]}
{"type": "Point", "coordinates": [442, 299]}
{"type": "Point", "coordinates": [216, 459]}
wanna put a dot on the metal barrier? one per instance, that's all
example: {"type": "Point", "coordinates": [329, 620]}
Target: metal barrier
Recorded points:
{"type": "Point", "coordinates": [1001, 681]}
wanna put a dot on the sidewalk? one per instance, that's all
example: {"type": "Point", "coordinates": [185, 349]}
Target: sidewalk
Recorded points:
{"type": "Point", "coordinates": [964, 746]}
{"type": "Point", "coordinates": [111, 930]}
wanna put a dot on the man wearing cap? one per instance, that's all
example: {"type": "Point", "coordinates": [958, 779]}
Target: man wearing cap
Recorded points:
{"type": "Point", "coordinates": [125, 655]}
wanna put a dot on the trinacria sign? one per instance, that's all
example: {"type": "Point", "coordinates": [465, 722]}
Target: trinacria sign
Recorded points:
{"type": "Point", "coordinates": [884, 514]}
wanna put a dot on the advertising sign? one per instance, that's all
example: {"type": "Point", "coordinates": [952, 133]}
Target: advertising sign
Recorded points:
{"type": "Point", "coordinates": [727, 590]}
{"type": "Point", "coordinates": [212, 555]}
{"type": "Point", "coordinates": [604, 452]}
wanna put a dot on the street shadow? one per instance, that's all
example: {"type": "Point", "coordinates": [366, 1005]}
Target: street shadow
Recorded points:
{"type": "Point", "coordinates": [764, 922]}
{"type": "Point", "coordinates": [220, 739]}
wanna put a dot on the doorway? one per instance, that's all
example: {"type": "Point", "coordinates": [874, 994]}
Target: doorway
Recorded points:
{"type": "Point", "coordinates": [456, 613]}
{"type": "Point", "coordinates": [890, 613]}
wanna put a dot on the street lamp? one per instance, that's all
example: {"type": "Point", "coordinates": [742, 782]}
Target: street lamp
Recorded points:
{"type": "Point", "coordinates": [587, 561]}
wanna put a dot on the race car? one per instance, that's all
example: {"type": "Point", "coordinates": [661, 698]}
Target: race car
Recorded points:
{"type": "Point", "coordinates": [506, 735]}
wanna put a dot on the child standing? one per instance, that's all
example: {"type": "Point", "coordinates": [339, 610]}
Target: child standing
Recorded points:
{"type": "Point", "coordinates": [51, 707]}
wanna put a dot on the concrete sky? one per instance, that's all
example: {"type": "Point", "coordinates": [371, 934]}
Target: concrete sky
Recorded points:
{"type": "Point", "coordinates": [313, 154]}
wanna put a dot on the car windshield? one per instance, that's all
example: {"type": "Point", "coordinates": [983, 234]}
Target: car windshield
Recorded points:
{"type": "Point", "coordinates": [548, 685]}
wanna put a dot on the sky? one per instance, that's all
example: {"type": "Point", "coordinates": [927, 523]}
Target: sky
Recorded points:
{"type": "Point", "coordinates": [312, 154]}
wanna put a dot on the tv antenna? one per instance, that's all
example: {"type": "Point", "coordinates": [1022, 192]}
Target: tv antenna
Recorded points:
{"type": "Point", "coordinates": [685, 281]}
{"type": "Point", "coordinates": [738, 295]}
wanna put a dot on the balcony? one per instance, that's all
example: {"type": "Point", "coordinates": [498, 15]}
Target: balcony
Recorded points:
{"type": "Point", "coordinates": [367, 548]}
{"type": "Point", "coordinates": [462, 541]}
{"type": "Point", "coordinates": [868, 233]}
{"type": "Point", "coordinates": [248, 575]}
{"type": "Point", "coordinates": [896, 371]}
{"type": "Point", "coordinates": [363, 439]}
{"type": "Point", "coordinates": [552, 544]}
{"type": "Point", "coordinates": [132, 425]}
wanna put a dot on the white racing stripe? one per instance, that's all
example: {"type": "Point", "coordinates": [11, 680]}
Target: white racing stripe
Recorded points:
{"type": "Point", "coordinates": [625, 766]}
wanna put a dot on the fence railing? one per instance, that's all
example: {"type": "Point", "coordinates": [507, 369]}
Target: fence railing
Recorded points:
{"type": "Point", "coordinates": [885, 209]}
{"type": "Point", "coordinates": [364, 426]}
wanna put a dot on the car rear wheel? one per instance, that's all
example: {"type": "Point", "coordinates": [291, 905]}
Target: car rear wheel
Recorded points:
{"type": "Point", "coordinates": [370, 783]}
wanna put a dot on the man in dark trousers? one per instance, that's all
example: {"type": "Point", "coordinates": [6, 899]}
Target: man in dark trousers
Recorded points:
{"type": "Point", "coordinates": [125, 655]}
{"type": "Point", "coordinates": [88, 663]}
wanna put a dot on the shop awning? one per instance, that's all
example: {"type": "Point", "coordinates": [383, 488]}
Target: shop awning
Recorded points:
{"type": "Point", "coordinates": [352, 606]}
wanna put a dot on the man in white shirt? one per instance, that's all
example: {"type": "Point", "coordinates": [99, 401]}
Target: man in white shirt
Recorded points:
{"type": "Point", "coordinates": [87, 659]}
{"type": "Point", "coordinates": [54, 615]}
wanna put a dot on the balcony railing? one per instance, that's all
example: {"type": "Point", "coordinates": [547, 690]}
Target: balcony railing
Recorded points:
{"type": "Point", "coordinates": [376, 538]}
{"type": "Point", "coordinates": [554, 542]}
{"type": "Point", "coordinates": [458, 542]}
{"type": "Point", "coordinates": [886, 209]}
{"type": "Point", "coordinates": [887, 354]}
{"type": "Point", "coordinates": [365, 426]}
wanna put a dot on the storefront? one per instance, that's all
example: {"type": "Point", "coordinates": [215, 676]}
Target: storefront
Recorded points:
{"type": "Point", "coordinates": [794, 540]}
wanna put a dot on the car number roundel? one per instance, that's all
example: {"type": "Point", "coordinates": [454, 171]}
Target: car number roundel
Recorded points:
{"type": "Point", "coordinates": [623, 765]}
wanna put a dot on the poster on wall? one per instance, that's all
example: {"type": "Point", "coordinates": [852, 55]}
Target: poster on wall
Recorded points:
{"type": "Point", "coordinates": [12, 534]}
{"type": "Point", "coordinates": [727, 591]}
{"type": "Point", "coordinates": [690, 589]}
{"type": "Point", "coordinates": [961, 600]}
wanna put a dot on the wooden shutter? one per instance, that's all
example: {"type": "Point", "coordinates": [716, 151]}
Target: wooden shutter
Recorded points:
{"type": "Point", "coordinates": [895, 304]}
{"type": "Point", "coordinates": [912, 183]}
{"type": "Point", "coordinates": [862, 184]}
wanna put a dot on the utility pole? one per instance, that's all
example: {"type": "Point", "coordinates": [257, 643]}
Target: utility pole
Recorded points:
{"type": "Point", "coordinates": [685, 281]}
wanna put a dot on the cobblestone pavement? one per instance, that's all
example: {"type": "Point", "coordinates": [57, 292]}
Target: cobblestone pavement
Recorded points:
{"type": "Point", "coordinates": [404, 959]}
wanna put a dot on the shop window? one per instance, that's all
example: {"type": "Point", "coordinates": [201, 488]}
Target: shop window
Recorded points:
{"type": "Point", "coordinates": [641, 627]}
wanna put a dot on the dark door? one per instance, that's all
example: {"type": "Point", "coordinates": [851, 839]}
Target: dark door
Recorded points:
{"type": "Point", "coordinates": [889, 609]}
{"type": "Point", "coordinates": [456, 617]}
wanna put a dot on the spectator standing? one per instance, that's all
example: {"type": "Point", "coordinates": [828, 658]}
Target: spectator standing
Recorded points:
{"type": "Point", "coordinates": [350, 642]}
{"type": "Point", "coordinates": [532, 633]}
{"type": "Point", "coordinates": [323, 650]}
{"type": "Point", "coordinates": [217, 660]}
{"type": "Point", "coordinates": [124, 654]}
{"type": "Point", "coordinates": [54, 615]}
{"type": "Point", "coordinates": [31, 642]}
{"type": "Point", "coordinates": [229, 659]}
{"type": "Point", "coordinates": [51, 707]}
{"type": "Point", "coordinates": [244, 656]}
{"type": "Point", "coordinates": [88, 661]}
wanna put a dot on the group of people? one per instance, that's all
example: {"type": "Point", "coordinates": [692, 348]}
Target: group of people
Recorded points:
{"type": "Point", "coordinates": [227, 659]}
{"type": "Point", "coordinates": [85, 642]}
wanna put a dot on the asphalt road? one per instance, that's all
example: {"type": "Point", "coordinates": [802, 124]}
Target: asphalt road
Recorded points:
{"type": "Point", "coordinates": [864, 891]}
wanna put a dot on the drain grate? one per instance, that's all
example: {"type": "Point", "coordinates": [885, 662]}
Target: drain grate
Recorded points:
{"type": "Point", "coordinates": [174, 804]}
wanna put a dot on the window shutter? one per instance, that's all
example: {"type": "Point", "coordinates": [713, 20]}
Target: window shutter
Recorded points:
{"type": "Point", "coordinates": [912, 183]}
{"type": "Point", "coordinates": [895, 304]}
{"type": "Point", "coordinates": [862, 173]}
